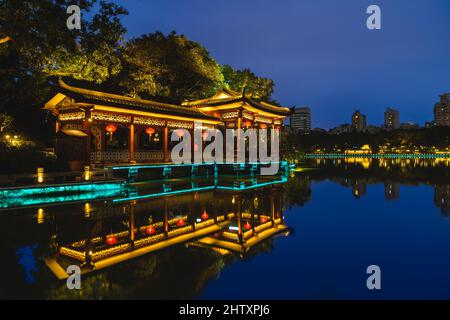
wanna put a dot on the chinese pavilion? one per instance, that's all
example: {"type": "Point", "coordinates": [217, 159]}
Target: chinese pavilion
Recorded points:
{"type": "Point", "coordinates": [99, 128]}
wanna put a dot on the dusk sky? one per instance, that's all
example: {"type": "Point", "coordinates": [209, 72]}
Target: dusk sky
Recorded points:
{"type": "Point", "coordinates": [320, 53]}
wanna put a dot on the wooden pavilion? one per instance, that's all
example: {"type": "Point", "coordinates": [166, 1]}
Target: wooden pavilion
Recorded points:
{"type": "Point", "coordinates": [98, 128]}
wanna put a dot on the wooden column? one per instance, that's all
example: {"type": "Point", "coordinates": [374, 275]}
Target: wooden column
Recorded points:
{"type": "Point", "coordinates": [239, 127]}
{"type": "Point", "coordinates": [166, 218]}
{"type": "Point", "coordinates": [57, 128]}
{"type": "Point", "coordinates": [191, 131]}
{"type": "Point", "coordinates": [239, 215]}
{"type": "Point", "coordinates": [272, 205]}
{"type": "Point", "coordinates": [87, 130]}
{"type": "Point", "coordinates": [224, 135]}
{"type": "Point", "coordinates": [131, 144]}
{"type": "Point", "coordinates": [166, 144]}
{"type": "Point", "coordinates": [132, 212]}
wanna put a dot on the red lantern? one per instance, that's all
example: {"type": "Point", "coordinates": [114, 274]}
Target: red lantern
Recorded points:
{"type": "Point", "coordinates": [247, 226]}
{"type": "Point", "coordinates": [150, 131]}
{"type": "Point", "coordinates": [150, 230]}
{"type": "Point", "coordinates": [111, 240]}
{"type": "Point", "coordinates": [263, 126]}
{"type": "Point", "coordinates": [111, 129]}
{"type": "Point", "coordinates": [263, 219]}
{"type": "Point", "coordinates": [248, 124]}
{"type": "Point", "coordinates": [205, 215]}
{"type": "Point", "coordinates": [180, 222]}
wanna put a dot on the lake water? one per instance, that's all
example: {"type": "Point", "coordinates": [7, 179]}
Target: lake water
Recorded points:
{"type": "Point", "coordinates": [342, 216]}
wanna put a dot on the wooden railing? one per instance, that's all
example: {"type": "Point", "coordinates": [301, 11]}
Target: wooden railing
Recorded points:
{"type": "Point", "coordinates": [122, 156]}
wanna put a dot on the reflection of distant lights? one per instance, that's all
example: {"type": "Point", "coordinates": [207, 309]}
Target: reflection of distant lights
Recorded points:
{"type": "Point", "coordinates": [40, 175]}
{"type": "Point", "coordinates": [87, 209]}
{"type": "Point", "coordinates": [40, 216]}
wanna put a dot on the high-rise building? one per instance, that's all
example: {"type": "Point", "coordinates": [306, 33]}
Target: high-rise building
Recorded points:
{"type": "Point", "coordinates": [442, 111]}
{"type": "Point", "coordinates": [358, 121]}
{"type": "Point", "coordinates": [391, 119]}
{"type": "Point", "coordinates": [392, 190]}
{"type": "Point", "coordinates": [301, 119]}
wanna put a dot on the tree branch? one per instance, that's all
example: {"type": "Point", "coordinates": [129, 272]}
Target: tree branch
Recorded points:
{"type": "Point", "coordinates": [5, 39]}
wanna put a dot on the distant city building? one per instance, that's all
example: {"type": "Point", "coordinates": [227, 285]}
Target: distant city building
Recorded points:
{"type": "Point", "coordinates": [343, 128]}
{"type": "Point", "coordinates": [429, 124]}
{"type": "Point", "coordinates": [359, 188]}
{"type": "Point", "coordinates": [392, 190]}
{"type": "Point", "coordinates": [391, 119]}
{"type": "Point", "coordinates": [373, 129]}
{"type": "Point", "coordinates": [358, 121]}
{"type": "Point", "coordinates": [442, 198]}
{"type": "Point", "coordinates": [301, 119]}
{"type": "Point", "coordinates": [409, 125]}
{"type": "Point", "coordinates": [442, 111]}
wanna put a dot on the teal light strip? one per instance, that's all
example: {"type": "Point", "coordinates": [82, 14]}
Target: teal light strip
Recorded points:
{"type": "Point", "coordinates": [378, 156]}
{"type": "Point", "coordinates": [23, 202]}
{"type": "Point", "coordinates": [160, 194]}
{"type": "Point", "coordinates": [73, 188]}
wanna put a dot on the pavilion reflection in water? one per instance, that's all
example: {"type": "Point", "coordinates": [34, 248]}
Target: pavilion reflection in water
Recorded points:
{"type": "Point", "coordinates": [231, 220]}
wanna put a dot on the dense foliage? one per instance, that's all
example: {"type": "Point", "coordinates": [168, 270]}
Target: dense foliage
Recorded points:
{"type": "Point", "coordinates": [422, 140]}
{"type": "Point", "coordinates": [36, 48]}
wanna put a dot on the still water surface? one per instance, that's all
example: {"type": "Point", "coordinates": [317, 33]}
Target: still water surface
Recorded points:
{"type": "Point", "coordinates": [342, 216]}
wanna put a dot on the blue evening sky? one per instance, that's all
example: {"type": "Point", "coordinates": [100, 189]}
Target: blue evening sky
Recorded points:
{"type": "Point", "coordinates": [319, 52]}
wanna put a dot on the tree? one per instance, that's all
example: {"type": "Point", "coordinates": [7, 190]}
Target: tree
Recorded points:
{"type": "Point", "coordinates": [260, 88]}
{"type": "Point", "coordinates": [5, 121]}
{"type": "Point", "coordinates": [40, 48]}
{"type": "Point", "coordinates": [168, 66]}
